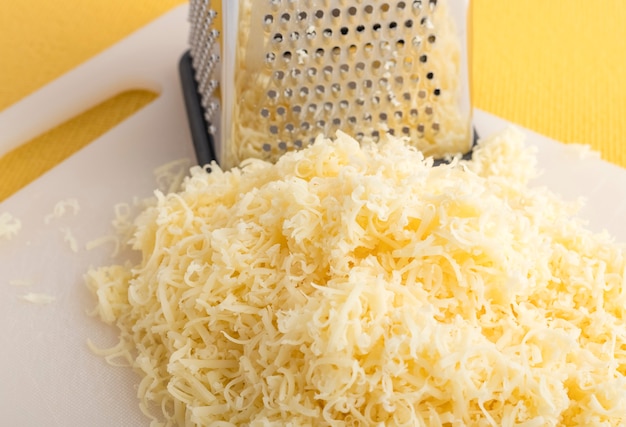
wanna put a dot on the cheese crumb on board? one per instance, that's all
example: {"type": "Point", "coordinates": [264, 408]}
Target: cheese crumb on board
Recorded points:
{"type": "Point", "coordinates": [38, 298]}
{"type": "Point", "coordinates": [349, 285]}
{"type": "Point", "coordinates": [69, 238]}
{"type": "Point", "coordinates": [9, 226]}
{"type": "Point", "coordinates": [61, 208]}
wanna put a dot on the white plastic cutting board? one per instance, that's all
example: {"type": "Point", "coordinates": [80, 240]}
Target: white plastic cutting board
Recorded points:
{"type": "Point", "coordinates": [48, 376]}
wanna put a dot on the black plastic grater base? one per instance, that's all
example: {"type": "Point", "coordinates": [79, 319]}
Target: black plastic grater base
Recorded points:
{"type": "Point", "coordinates": [202, 139]}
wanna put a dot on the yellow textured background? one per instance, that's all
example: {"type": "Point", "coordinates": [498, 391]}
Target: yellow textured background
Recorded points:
{"type": "Point", "coordinates": [555, 66]}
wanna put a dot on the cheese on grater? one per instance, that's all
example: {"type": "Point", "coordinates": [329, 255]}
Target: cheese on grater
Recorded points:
{"type": "Point", "coordinates": [366, 70]}
{"type": "Point", "coordinates": [359, 285]}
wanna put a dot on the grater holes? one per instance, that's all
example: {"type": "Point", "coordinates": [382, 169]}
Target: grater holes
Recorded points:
{"type": "Point", "coordinates": [268, 19]}
{"type": "Point", "coordinates": [432, 4]}
{"type": "Point", "coordinates": [421, 128]}
{"type": "Point", "coordinates": [327, 33]}
{"type": "Point", "coordinates": [287, 56]}
{"type": "Point", "coordinates": [311, 33]}
{"type": "Point", "coordinates": [285, 18]}
{"type": "Point", "coordinates": [328, 107]}
{"type": "Point", "coordinates": [384, 7]}
{"type": "Point", "coordinates": [274, 129]}
{"type": "Point", "coordinates": [383, 117]}
{"type": "Point", "coordinates": [321, 124]}
{"type": "Point", "coordinates": [270, 58]}
{"type": "Point", "coordinates": [401, 5]}
{"type": "Point", "coordinates": [376, 65]}
{"type": "Point", "coordinates": [312, 108]}
{"type": "Point", "coordinates": [359, 67]}
{"type": "Point", "coordinates": [281, 111]}
{"type": "Point", "coordinates": [400, 44]}
{"type": "Point", "coordinates": [336, 51]}
{"type": "Point", "coordinates": [288, 93]}
{"type": "Point", "coordinates": [351, 85]}
{"type": "Point", "coordinates": [430, 75]}
{"type": "Point", "coordinates": [417, 5]}
{"type": "Point", "coordinates": [297, 143]}
{"type": "Point", "coordinates": [432, 39]}
{"type": "Point", "coordinates": [376, 27]}
{"type": "Point", "coordinates": [437, 92]}
{"type": "Point", "coordinates": [272, 94]}
{"type": "Point", "coordinates": [360, 28]}
{"type": "Point", "coordinates": [279, 75]}
{"type": "Point", "coordinates": [416, 41]}
{"type": "Point", "coordinates": [408, 23]}
{"type": "Point", "coordinates": [429, 110]}
{"type": "Point", "coordinates": [302, 16]}
{"type": "Point", "coordinates": [304, 92]}
{"type": "Point", "coordinates": [305, 126]}
{"type": "Point", "coordinates": [369, 9]}
{"type": "Point", "coordinates": [352, 11]}
{"type": "Point", "coordinates": [336, 88]}
{"type": "Point", "coordinates": [393, 25]}
{"type": "Point", "coordinates": [421, 94]}
{"type": "Point", "coordinates": [336, 13]}
{"type": "Point", "coordinates": [336, 122]}
{"type": "Point", "coordinates": [328, 71]}
{"type": "Point", "coordinates": [352, 120]}
{"type": "Point", "coordinates": [320, 90]}
{"type": "Point", "coordinates": [265, 113]}
{"type": "Point", "coordinates": [407, 63]}
{"type": "Point", "coordinates": [296, 109]}
{"type": "Point", "coordinates": [344, 31]}
{"type": "Point", "coordinates": [398, 115]}
{"type": "Point", "coordinates": [344, 69]}
{"type": "Point", "coordinates": [294, 36]}
{"type": "Point", "coordinates": [319, 14]}
{"type": "Point", "coordinates": [424, 59]}
{"type": "Point", "coordinates": [436, 127]}
{"type": "Point", "coordinates": [267, 147]}
{"type": "Point", "coordinates": [282, 145]}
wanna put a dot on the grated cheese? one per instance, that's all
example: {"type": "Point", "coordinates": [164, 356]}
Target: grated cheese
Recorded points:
{"type": "Point", "coordinates": [9, 226]}
{"type": "Point", "coordinates": [69, 238]}
{"type": "Point", "coordinates": [61, 208]}
{"type": "Point", "coordinates": [39, 299]}
{"type": "Point", "coordinates": [349, 285]}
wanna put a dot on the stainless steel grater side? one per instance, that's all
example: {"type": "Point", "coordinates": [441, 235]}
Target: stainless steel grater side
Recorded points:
{"type": "Point", "coordinates": [284, 71]}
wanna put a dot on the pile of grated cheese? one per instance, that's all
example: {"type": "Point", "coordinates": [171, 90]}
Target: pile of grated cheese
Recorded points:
{"type": "Point", "coordinates": [349, 285]}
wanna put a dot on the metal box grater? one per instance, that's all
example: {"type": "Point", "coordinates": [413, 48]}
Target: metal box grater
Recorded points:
{"type": "Point", "coordinates": [283, 72]}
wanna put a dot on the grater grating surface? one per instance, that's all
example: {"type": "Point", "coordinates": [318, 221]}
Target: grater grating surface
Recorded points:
{"type": "Point", "coordinates": [289, 70]}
